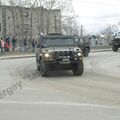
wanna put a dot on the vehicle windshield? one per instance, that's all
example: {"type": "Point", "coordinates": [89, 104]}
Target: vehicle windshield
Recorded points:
{"type": "Point", "coordinates": [47, 42]}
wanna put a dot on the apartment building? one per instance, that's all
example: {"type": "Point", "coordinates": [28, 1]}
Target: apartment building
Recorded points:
{"type": "Point", "coordinates": [28, 22]}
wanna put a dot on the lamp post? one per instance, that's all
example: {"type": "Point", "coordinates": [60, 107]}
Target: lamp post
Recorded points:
{"type": "Point", "coordinates": [81, 30]}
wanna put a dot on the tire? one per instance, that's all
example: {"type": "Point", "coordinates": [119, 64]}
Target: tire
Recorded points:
{"type": "Point", "coordinates": [115, 48]}
{"type": "Point", "coordinates": [78, 69]}
{"type": "Point", "coordinates": [38, 68]}
{"type": "Point", "coordinates": [37, 62]}
{"type": "Point", "coordinates": [86, 52]}
{"type": "Point", "coordinates": [44, 70]}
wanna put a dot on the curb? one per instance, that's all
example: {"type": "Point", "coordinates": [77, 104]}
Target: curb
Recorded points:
{"type": "Point", "coordinates": [17, 57]}
{"type": "Point", "coordinates": [103, 50]}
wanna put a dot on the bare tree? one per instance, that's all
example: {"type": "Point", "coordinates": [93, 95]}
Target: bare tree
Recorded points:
{"type": "Point", "coordinates": [71, 26]}
{"type": "Point", "coordinates": [15, 16]}
{"type": "Point", "coordinates": [64, 5]}
{"type": "Point", "coordinates": [108, 33]}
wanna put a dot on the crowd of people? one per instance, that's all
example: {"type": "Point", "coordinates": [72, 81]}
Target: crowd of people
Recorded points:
{"type": "Point", "coordinates": [9, 44]}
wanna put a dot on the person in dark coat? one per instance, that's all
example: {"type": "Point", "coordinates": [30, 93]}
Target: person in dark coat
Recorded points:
{"type": "Point", "coordinates": [13, 43]}
{"type": "Point", "coordinates": [0, 45]}
{"type": "Point", "coordinates": [33, 45]}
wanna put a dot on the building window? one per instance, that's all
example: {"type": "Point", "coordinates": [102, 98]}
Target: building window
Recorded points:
{"type": "Point", "coordinates": [26, 14]}
{"type": "Point", "coordinates": [36, 19]}
{"type": "Point", "coordinates": [36, 35]}
{"type": "Point", "coordinates": [26, 28]}
{"type": "Point", "coordinates": [8, 17]}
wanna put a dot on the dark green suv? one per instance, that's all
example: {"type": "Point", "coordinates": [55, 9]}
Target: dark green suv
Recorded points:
{"type": "Point", "coordinates": [116, 43]}
{"type": "Point", "coordinates": [56, 51]}
{"type": "Point", "coordinates": [83, 44]}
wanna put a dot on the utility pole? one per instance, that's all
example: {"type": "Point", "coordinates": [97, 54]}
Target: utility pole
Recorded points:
{"type": "Point", "coordinates": [55, 25]}
{"type": "Point", "coordinates": [81, 30]}
{"type": "Point", "coordinates": [4, 20]}
{"type": "Point", "coordinates": [0, 2]}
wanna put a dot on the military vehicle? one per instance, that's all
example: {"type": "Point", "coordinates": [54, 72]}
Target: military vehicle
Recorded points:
{"type": "Point", "coordinates": [83, 44]}
{"type": "Point", "coordinates": [116, 43]}
{"type": "Point", "coordinates": [58, 52]}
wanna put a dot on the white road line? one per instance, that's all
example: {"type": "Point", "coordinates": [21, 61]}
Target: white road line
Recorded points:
{"type": "Point", "coordinates": [59, 103]}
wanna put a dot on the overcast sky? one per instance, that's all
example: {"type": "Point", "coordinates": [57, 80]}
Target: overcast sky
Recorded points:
{"type": "Point", "coordinates": [95, 15]}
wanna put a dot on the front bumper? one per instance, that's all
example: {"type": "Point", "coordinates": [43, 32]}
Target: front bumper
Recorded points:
{"type": "Point", "coordinates": [55, 65]}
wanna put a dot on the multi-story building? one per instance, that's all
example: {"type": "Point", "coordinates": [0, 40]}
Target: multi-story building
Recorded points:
{"type": "Point", "coordinates": [28, 22]}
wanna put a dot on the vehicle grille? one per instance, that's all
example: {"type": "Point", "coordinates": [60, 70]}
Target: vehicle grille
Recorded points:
{"type": "Point", "coordinates": [63, 54]}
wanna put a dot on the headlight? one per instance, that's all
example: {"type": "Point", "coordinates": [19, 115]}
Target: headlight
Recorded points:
{"type": "Point", "coordinates": [47, 55]}
{"type": "Point", "coordinates": [79, 54]}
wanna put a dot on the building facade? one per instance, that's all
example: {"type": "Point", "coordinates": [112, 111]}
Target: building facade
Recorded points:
{"type": "Point", "coordinates": [28, 22]}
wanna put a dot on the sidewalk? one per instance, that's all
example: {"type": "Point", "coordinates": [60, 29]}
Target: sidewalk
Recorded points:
{"type": "Point", "coordinates": [29, 55]}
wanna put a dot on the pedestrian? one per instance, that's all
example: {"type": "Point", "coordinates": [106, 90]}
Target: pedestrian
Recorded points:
{"type": "Point", "coordinates": [33, 45]}
{"type": "Point", "coordinates": [13, 43]}
{"type": "Point", "coordinates": [10, 44]}
{"type": "Point", "coordinates": [7, 44]}
{"type": "Point", "coordinates": [2, 45]}
{"type": "Point", "coordinates": [8, 40]}
{"type": "Point", "coordinates": [25, 44]}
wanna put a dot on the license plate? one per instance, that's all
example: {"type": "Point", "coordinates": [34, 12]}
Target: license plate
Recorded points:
{"type": "Point", "coordinates": [65, 61]}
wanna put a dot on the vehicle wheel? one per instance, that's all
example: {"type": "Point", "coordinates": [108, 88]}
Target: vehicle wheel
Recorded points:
{"type": "Point", "coordinates": [78, 69]}
{"type": "Point", "coordinates": [44, 71]}
{"type": "Point", "coordinates": [37, 62]}
{"type": "Point", "coordinates": [38, 68]}
{"type": "Point", "coordinates": [115, 48]}
{"type": "Point", "coordinates": [86, 52]}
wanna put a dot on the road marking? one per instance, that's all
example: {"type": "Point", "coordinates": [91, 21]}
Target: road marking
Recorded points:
{"type": "Point", "coordinates": [59, 103]}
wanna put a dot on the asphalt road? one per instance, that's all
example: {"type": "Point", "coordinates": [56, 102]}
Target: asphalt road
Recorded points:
{"type": "Point", "coordinates": [25, 95]}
